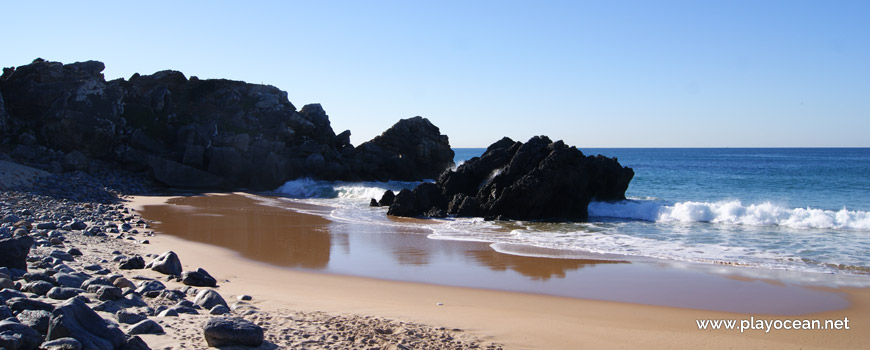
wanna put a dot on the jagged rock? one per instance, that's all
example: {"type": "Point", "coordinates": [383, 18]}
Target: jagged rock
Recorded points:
{"type": "Point", "coordinates": [75, 319]}
{"type": "Point", "coordinates": [540, 179]}
{"type": "Point", "coordinates": [15, 252]}
{"type": "Point", "coordinates": [232, 331]}
{"type": "Point", "coordinates": [387, 199]}
{"type": "Point", "coordinates": [134, 263]}
{"type": "Point", "coordinates": [198, 278]}
{"type": "Point", "coordinates": [209, 298]}
{"type": "Point", "coordinates": [14, 335]}
{"type": "Point", "coordinates": [166, 263]}
{"type": "Point", "coordinates": [145, 327]}
{"type": "Point", "coordinates": [61, 344]}
{"type": "Point", "coordinates": [410, 150]}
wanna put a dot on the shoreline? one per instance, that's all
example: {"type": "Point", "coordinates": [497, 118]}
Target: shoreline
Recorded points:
{"type": "Point", "coordinates": [517, 320]}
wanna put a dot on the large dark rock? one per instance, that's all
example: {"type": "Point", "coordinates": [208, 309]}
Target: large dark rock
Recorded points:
{"type": "Point", "coordinates": [232, 331]}
{"type": "Point", "coordinates": [540, 179]}
{"type": "Point", "coordinates": [21, 304]}
{"type": "Point", "coordinates": [209, 298]}
{"type": "Point", "coordinates": [70, 106]}
{"type": "Point", "coordinates": [198, 278]}
{"type": "Point", "coordinates": [410, 150]}
{"type": "Point", "coordinates": [167, 263]}
{"type": "Point", "coordinates": [14, 252]}
{"type": "Point", "coordinates": [196, 133]}
{"type": "Point", "coordinates": [17, 336]}
{"type": "Point", "coordinates": [36, 319]}
{"type": "Point", "coordinates": [75, 319]}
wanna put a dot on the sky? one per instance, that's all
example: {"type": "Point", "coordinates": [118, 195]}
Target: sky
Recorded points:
{"type": "Point", "coordinates": [760, 73]}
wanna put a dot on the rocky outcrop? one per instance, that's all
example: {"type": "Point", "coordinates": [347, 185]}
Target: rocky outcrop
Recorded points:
{"type": "Point", "coordinates": [412, 149]}
{"type": "Point", "coordinates": [193, 133]}
{"type": "Point", "coordinates": [539, 179]}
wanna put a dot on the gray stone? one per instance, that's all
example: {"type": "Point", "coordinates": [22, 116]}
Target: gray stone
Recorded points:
{"type": "Point", "coordinates": [21, 304]}
{"type": "Point", "coordinates": [145, 327]}
{"type": "Point", "coordinates": [219, 310]}
{"type": "Point", "coordinates": [209, 298]}
{"type": "Point", "coordinates": [167, 263]}
{"type": "Point", "coordinates": [168, 313]}
{"type": "Point", "coordinates": [46, 226]}
{"type": "Point", "coordinates": [109, 293]}
{"type": "Point", "coordinates": [232, 331]}
{"type": "Point", "coordinates": [198, 278]}
{"type": "Point", "coordinates": [9, 293]}
{"type": "Point", "coordinates": [6, 283]}
{"type": "Point", "coordinates": [14, 335]}
{"type": "Point", "coordinates": [78, 225]}
{"type": "Point", "coordinates": [150, 286]}
{"type": "Point", "coordinates": [62, 344]}
{"type": "Point", "coordinates": [134, 263]}
{"type": "Point", "coordinates": [61, 255]}
{"type": "Point", "coordinates": [128, 317]}
{"type": "Point", "coordinates": [95, 281]}
{"type": "Point", "coordinates": [68, 280]}
{"type": "Point", "coordinates": [63, 293]}
{"type": "Point", "coordinates": [36, 319]}
{"type": "Point", "coordinates": [134, 343]}
{"type": "Point", "coordinates": [38, 287]}
{"type": "Point", "coordinates": [75, 319]}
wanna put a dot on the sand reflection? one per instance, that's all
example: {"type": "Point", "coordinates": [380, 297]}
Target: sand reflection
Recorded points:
{"type": "Point", "coordinates": [273, 235]}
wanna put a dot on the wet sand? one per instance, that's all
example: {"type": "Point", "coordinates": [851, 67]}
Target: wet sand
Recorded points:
{"type": "Point", "coordinates": [305, 262]}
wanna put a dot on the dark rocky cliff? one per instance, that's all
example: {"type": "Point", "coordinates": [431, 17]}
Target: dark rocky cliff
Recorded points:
{"type": "Point", "coordinates": [188, 132]}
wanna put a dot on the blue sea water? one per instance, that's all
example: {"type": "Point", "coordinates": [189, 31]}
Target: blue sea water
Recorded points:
{"type": "Point", "coordinates": [791, 209]}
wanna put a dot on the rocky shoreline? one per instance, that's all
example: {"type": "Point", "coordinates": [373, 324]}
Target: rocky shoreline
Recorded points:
{"type": "Point", "coordinates": [82, 282]}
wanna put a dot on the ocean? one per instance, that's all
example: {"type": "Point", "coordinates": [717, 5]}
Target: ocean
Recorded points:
{"type": "Point", "coordinates": [804, 210]}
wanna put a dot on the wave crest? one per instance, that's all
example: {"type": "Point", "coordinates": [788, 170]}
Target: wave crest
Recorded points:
{"type": "Point", "coordinates": [308, 188]}
{"type": "Point", "coordinates": [733, 212]}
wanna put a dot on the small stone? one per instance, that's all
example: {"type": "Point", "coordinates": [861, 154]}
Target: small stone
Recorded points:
{"type": "Point", "coordinates": [208, 298]}
{"type": "Point", "coordinates": [218, 310]}
{"type": "Point", "coordinates": [63, 293]}
{"type": "Point", "coordinates": [168, 313]}
{"type": "Point", "coordinates": [109, 293]}
{"type": "Point", "coordinates": [244, 297]}
{"type": "Point", "coordinates": [128, 317]}
{"type": "Point", "coordinates": [134, 263]}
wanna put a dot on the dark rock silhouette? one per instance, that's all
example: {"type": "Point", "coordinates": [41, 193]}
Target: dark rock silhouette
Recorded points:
{"type": "Point", "coordinates": [193, 133]}
{"type": "Point", "coordinates": [540, 179]}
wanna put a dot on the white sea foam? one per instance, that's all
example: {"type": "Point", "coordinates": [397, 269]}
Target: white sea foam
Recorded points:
{"type": "Point", "coordinates": [307, 188]}
{"type": "Point", "coordinates": [733, 212]}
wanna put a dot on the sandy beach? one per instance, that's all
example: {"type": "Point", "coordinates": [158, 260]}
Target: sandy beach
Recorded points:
{"type": "Point", "coordinates": [513, 319]}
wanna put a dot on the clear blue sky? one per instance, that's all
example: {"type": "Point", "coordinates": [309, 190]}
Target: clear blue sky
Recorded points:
{"type": "Point", "coordinates": [596, 74]}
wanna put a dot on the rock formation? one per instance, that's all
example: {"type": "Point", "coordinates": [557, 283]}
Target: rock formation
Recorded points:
{"type": "Point", "coordinates": [539, 179]}
{"type": "Point", "coordinates": [188, 132]}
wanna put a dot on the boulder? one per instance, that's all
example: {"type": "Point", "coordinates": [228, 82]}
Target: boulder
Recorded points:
{"type": "Point", "coordinates": [134, 263]}
{"type": "Point", "coordinates": [232, 331]}
{"type": "Point", "coordinates": [198, 278]}
{"type": "Point", "coordinates": [209, 298]}
{"type": "Point", "coordinates": [38, 287]}
{"type": "Point", "coordinates": [63, 293]}
{"type": "Point", "coordinates": [539, 179]}
{"type": "Point", "coordinates": [75, 319]}
{"type": "Point", "coordinates": [14, 335]}
{"type": "Point", "coordinates": [36, 319]}
{"type": "Point", "coordinates": [15, 252]}
{"type": "Point", "coordinates": [109, 293]}
{"type": "Point", "coordinates": [145, 327]}
{"type": "Point", "coordinates": [19, 304]}
{"type": "Point", "coordinates": [166, 263]}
